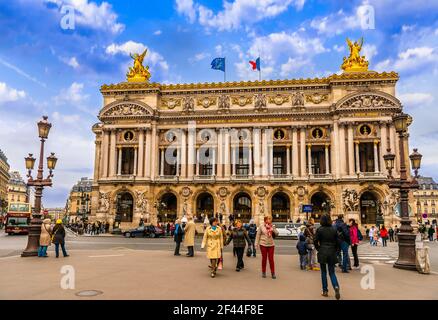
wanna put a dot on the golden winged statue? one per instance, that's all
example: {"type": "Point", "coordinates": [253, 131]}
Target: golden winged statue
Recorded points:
{"type": "Point", "coordinates": [138, 73]}
{"type": "Point", "coordinates": [355, 62]}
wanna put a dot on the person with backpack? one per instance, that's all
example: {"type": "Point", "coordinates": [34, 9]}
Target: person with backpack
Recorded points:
{"type": "Point", "coordinates": [326, 243]}
{"type": "Point", "coordinates": [252, 233]}
{"type": "Point", "coordinates": [344, 238]}
{"type": "Point", "coordinates": [58, 238]}
{"type": "Point", "coordinates": [309, 233]}
{"type": "Point", "coordinates": [355, 238]}
{"type": "Point", "coordinates": [239, 236]}
{"type": "Point", "coordinates": [302, 251]}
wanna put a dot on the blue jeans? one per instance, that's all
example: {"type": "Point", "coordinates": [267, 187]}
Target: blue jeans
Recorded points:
{"type": "Point", "coordinates": [42, 251]}
{"type": "Point", "coordinates": [333, 279]}
{"type": "Point", "coordinates": [345, 256]}
{"type": "Point", "coordinates": [303, 261]}
{"type": "Point", "coordinates": [64, 252]}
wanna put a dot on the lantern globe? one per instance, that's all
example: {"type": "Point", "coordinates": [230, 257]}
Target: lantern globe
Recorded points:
{"type": "Point", "coordinates": [416, 159]}
{"type": "Point", "coordinates": [44, 128]}
{"type": "Point", "coordinates": [51, 161]}
{"type": "Point", "coordinates": [30, 162]}
{"type": "Point", "coordinates": [400, 122]}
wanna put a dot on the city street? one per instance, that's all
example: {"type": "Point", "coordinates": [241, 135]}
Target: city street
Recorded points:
{"type": "Point", "coordinates": [114, 267]}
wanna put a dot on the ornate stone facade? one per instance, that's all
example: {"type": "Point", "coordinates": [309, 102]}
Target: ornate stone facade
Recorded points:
{"type": "Point", "coordinates": [248, 148]}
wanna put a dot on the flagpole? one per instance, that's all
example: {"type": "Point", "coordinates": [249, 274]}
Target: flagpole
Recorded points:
{"type": "Point", "coordinates": [225, 69]}
{"type": "Point", "coordinates": [260, 69]}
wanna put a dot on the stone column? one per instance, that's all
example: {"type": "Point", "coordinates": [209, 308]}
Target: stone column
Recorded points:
{"type": "Point", "coordinates": [112, 160]}
{"type": "Point", "coordinates": [395, 149]}
{"type": "Point", "coordinates": [97, 160]}
{"type": "Point", "coordinates": [135, 160]}
{"type": "Point", "coordinates": [227, 161]}
{"type": "Point", "coordinates": [162, 163]}
{"type": "Point", "coordinates": [357, 157]}
{"type": "Point", "coordinates": [148, 154]}
{"type": "Point", "coordinates": [271, 160]}
{"type": "Point", "coordinates": [140, 171]}
{"type": "Point", "coordinates": [233, 160]}
{"type": "Point", "coordinates": [383, 145]}
{"type": "Point", "coordinates": [288, 160]}
{"type": "Point", "coordinates": [342, 153]}
{"type": "Point", "coordinates": [183, 157]}
{"type": "Point", "coordinates": [303, 151]}
{"type": "Point", "coordinates": [213, 164]}
{"type": "Point", "coordinates": [295, 158]}
{"type": "Point", "coordinates": [250, 164]}
{"type": "Point", "coordinates": [154, 152]}
{"type": "Point", "coordinates": [191, 154]}
{"type": "Point", "coordinates": [376, 156]}
{"type": "Point", "coordinates": [335, 149]}
{"type": "Point", "coordinates": [104, 154]}
{"type": "Point", "coordinates": [119, 162]}
{"type": "Point", "coordinates": [256, 146]}
{"type": "Point", "coordinates": [309, 158]}
{"type": "Point", "coordinates": [350, 150]}
{"type": "Point", "coordinates": [327, 162]}
{"type": "Point", "coordinates": [197, 161]}
{"type": "Point", "coordinates": [220, 155]}
{"type": "Point", "coordinates": [265, 154]}
{"type": "Point", "coordinates": [178, 162]}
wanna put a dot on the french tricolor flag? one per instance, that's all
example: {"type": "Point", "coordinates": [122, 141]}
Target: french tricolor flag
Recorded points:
{"type": "Point", "coordinates": [255, 64]}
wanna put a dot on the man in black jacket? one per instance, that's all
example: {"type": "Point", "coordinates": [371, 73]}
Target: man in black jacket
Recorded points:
{"type": "Point", "coordinates": [178, 236]}
{"type": "Point", "coordinates": [344, 238]}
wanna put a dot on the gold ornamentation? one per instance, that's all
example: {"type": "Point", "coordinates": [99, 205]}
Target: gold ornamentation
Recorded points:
{"type": "Point", "coordinates": [260, 102]}
{"type": "Point", "coordinates": [171, 103]}
{"type": "Point", "coordinates": [367, 101]}
{"type": "Point", "coordinates": [298, 100]}
{"type": "Point", "coordinates": [138, 73]}
{"type": "Point", "coordinates": [241, 100]}
{"type": "Point", "coordinates": [355, 62]}
{"type": "Point", "coordinates": [206, 101]}
{"type": "Point", "coordinates": [316, 98]}
{"type": "Point", "coordinates": [188, 104]}
{"type": "Point", "coordinates": [278, 99]}
{"type": "Point", "coordinates": [388, 76]}
{"type": "Point", "coordinates": [224, 103]}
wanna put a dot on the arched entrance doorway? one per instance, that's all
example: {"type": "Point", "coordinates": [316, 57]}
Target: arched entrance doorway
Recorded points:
{"type": "Point", "coordinates": [368, 208]}
{"type": "Point", "coordinates": [125, 207]}
{"type": "Point", "coordinates": [168, 208]}
{"type": "Point", "coordinates": [320, 204]}
{"type": "Point", "coordinates": [280, 205]}
{"type": "Point", "coordinates": [242, 205]}
{"type": "Point", "coordinates": [204, 206]}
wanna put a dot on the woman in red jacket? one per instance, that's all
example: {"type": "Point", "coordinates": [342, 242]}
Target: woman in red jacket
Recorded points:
{"type": "Point", "coordinates": [384, 235]}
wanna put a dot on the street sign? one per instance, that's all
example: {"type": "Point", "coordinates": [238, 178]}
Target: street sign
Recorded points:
{"type": "Point", "coordinates": [424, 215]}
{"type": "Point", "coordinates": [307, 208]}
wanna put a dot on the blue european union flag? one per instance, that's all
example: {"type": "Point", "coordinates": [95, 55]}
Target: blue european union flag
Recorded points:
{"type": "Point", "coordinates": [218, 64]}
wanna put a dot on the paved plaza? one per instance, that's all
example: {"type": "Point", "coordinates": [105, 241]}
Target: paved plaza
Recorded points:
{"type": "Point", "coordinates": [113, 267]}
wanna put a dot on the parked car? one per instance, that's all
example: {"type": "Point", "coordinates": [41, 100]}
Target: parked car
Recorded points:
{"type": "Point", "coordinates": [145, 231]}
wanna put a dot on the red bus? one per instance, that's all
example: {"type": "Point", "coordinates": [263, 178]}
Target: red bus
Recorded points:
{"type": "Point", "coordinates": [18, 218]}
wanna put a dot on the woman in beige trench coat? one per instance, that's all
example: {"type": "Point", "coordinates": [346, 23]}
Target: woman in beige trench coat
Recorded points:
{"type": "Point", "coordinates": [214, 241]}
{"type": "Point", "coordinates": [45, 238]}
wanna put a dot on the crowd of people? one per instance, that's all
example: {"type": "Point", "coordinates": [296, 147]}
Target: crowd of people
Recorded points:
{"type": "Point", "coordinates": [94, 228]}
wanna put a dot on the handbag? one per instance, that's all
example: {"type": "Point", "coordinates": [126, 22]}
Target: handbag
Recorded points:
{"type": "Point", "coordinates": [53, 235]}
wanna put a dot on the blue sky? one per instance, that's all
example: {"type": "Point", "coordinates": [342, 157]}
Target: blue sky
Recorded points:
{"type": "Point", "coordinates": [45, 69]}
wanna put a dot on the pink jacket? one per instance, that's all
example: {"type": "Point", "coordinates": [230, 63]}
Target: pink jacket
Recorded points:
{"type": "Point", "coordinates": [353, 235]}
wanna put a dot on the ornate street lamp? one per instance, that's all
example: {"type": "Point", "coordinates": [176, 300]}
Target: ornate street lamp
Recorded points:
{"type": "Point", "coordinates": [39, 183]}
{"type": "Point", "coordinates": [416, 161]}
{"type": "Point", "coordinates": [389, 161]}
{"type": "Point", "coordinates": [406, 243]}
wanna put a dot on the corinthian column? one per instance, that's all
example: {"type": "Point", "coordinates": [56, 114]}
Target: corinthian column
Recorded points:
{"type": "Point", "coordinates": [140, 165]}
{"type": "Point", "coordinates": [303, 151]}
{"type": "Point", "coordinates": [183, 157]}
{"type": "Point", "coordinates": [383, 145]}
{"type": "Point", "coordinates": [112, 160]}
{"type": "Point", "coordinates": [376, 156]}
{"type": "Point", "coordinates": [295, 158]}
{"type": "Point", "coordinates": [350, 151]}
{"type": "Point", "coordinates": [105, 150]}
{"type": "Point", "coordinates": [148, 154]}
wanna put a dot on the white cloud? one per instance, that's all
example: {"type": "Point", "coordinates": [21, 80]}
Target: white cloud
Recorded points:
{"type": "Point", "coordinates": [234, 14]}
{"type": "Point", "coordinates": [410, 60]}
{"type": "Point", "coordinates": [72, 95]}
{"type": "Point", "coordinates": [72, 62]}
{"type": "Point", "coordinates": [199, 57]}
{"type": "Point", "coordinates": [90, 14]}
{"type": "Point", "coordinates": [416, 99]}
{"type": "Point", "coordinates": [8, 94]}
{"type": "Point", "coordinates": [369, 51]}
{"type": "Point", "coordinates": [340, 22]}
{"type": "Point", "coordinates": [186, 8]}
{"type": "Point", "coordinates": [292, 65]}
{"type": "Point", "coordinates": [157, 33]}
